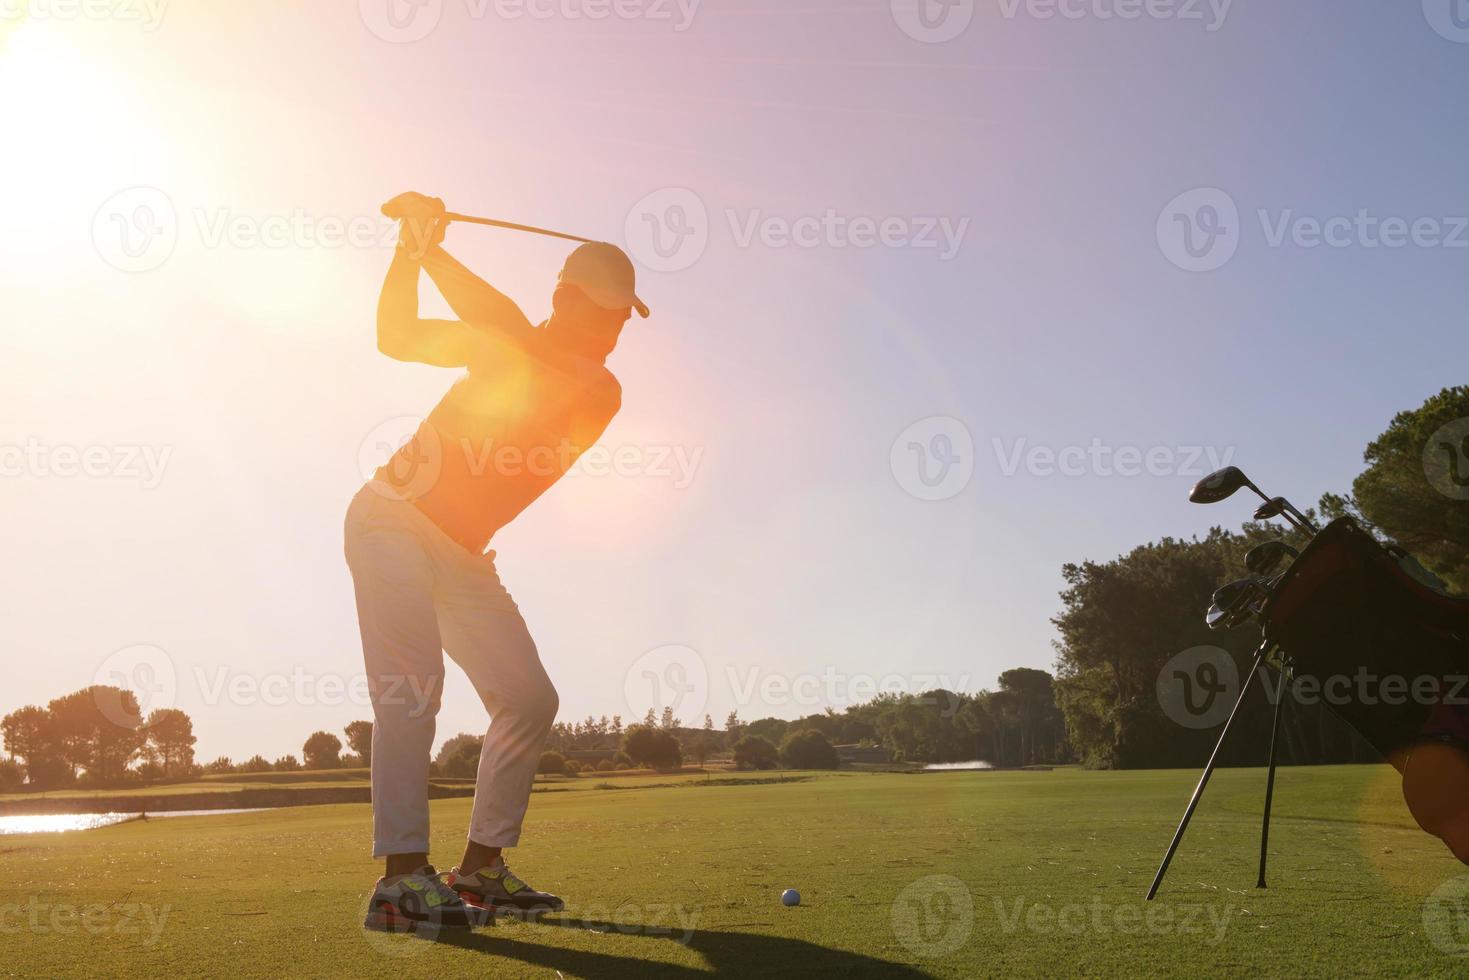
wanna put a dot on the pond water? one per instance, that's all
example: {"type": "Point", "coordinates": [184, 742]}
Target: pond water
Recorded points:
{"type": "Point", "coordinates": [50, 823]}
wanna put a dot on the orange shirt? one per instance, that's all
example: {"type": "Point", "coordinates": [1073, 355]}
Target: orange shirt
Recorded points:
{"type": "Point", "coordinates": [502, 436]}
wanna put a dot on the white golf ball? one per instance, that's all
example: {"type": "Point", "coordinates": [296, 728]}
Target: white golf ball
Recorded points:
{"type": "Point", "coordinates": [790, 897]}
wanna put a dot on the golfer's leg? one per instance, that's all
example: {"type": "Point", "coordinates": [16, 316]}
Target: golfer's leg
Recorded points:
{"type": "Point", "coordinates": [393, 578]}
{"type": "Point", "coordinates": [484, 633]}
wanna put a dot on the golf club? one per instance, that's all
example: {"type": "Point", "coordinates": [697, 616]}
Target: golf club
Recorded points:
{"type": "Point", "coordinates": [496, 223]}
{"type": "Point", "coordinates": [1277, 507]}
{"type": "Point", "coordinates": [1265, 558]}
{"type": "Point", "coordinates": [1222, 484]}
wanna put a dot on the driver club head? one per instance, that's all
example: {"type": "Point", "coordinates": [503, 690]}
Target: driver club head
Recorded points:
{"type": "Point", "coordinates": [1218, 485]}
{"type": "Point", "coordinates": [1263, 559]}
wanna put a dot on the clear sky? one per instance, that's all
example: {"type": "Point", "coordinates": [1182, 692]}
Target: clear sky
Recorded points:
{"type": "Point", "coordinates": [191, 390]}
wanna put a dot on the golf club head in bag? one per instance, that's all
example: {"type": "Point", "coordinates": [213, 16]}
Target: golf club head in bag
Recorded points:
{"type": "Point", "coordinates": [1265, 558]}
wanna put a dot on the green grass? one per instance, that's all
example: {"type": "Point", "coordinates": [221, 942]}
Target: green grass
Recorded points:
{"type": "Point", "coordinates": [946, 874]}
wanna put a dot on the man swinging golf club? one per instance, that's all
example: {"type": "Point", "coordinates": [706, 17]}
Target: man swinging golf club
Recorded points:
{"type": "Point", "coordinates": [531, 400]}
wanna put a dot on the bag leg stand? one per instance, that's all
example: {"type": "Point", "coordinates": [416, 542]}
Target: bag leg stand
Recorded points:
{"type": "Point", "coordinates": [1280, 695]}
{"type": "Point", "coordinates": [1208, 769]}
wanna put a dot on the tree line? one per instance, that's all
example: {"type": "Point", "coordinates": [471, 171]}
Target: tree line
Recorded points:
{"type": "Point", "coordinates": [98, 737]}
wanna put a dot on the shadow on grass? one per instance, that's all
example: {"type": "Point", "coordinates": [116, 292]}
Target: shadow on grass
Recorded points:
{"type": "Point", "coordinates": [728, 954]}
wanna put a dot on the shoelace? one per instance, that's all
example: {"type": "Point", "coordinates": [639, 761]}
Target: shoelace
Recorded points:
{"type": "Point", "coordinates": [441, 887]}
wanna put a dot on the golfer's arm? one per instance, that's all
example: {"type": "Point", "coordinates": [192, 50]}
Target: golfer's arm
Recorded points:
{"type": "Point", "coordinates": [404, 336]}
{"type": "Point", "coordinates": [471, 298]}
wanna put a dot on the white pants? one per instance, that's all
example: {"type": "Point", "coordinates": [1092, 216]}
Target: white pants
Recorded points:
{"type": "Point", "coordinates": [420, 595]}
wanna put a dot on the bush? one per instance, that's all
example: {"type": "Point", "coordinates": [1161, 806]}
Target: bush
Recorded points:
{"type": "Point", "coordinates": [755, 752]}
{"type": "Point", "coordinates": [606, 765]}
{"type": "Point", "coordinates": [622, 762]}
{"type": "Point", "coordinates": [652, 747]}
{"type": "Point", "coordinates": [808, 750]}
{"type": "Point", "coordinates": [463, 761]}
{"type": "Point", "coordinates": [552, 764]}
{"type": "Point", "coordinates": [573, 767]}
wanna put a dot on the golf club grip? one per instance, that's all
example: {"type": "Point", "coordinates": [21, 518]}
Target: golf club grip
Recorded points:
{"type": "Point", "coordinates": [471, 219]}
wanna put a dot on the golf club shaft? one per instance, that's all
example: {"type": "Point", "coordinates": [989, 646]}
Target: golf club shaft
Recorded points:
{"type": "Point", "coordinates": [494, 223]}
{"type": "Point", "coordinates": [1310, 528]}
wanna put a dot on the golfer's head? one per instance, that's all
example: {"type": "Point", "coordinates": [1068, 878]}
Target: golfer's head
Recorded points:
{"type": "Point", "coordinates": [595, 295]}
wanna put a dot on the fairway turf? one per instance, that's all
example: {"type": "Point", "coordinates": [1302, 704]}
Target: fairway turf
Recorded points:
{"type": "Point", "coordinates": [951, 874]}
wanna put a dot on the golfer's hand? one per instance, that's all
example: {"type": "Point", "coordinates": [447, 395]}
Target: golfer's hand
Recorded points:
{"type": "Point", "coordinates": [422, 223]}
{"type": "Point", "coordinates": [414, 205]}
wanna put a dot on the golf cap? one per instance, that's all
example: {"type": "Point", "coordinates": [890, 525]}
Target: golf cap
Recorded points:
{"type": "Point", "coordinates": [605, 273]}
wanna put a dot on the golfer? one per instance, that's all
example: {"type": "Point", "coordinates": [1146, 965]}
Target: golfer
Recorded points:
{"type": "Point", "coordinates": [532, 398]}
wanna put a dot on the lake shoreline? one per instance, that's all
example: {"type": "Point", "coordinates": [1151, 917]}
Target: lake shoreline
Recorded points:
{"type": "Point", "coordinates": [243, 799]}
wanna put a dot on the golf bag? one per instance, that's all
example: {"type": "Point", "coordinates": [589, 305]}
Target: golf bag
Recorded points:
{"type": "Point", "coordinates": [1350, 606]}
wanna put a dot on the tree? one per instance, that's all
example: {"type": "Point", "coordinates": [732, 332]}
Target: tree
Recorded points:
{"type": "Point", "coordinates": [1416, 485]}
{"type": "Point", "coordinates": [170, 740]}
{"type": "Point", "coordinates": [221, 765]}
{"type": "Point", "coordinates": [454, 747]}
{"type": "Point", "coordinates": [464, 763]}
{"type": "Point", "coordinates": [703, 747]}
{"type": "Point", "coordinates": [12, 776]}
{"type": "Point", "coordinates": [731, 729]}
{"type": "Point", "coordinates": [359, 740]}
{"type": "Point", "coordinates": [287, 763]}
{"type": "Point", "coordinates": [668, 722]}
{"type": "Point", "coordinates": [256, 763]}
{"type": "Point", "coordinates": [29, 736]}
{"type": "Point", "coordinates": [808, 749]}
{"type": "Point", "coordinates": [552, 764]}
{"type": "Point", "coordinates": [322, 751]}
{"type": "Point", "coordinates": [99, 730]}
{"type": "Point", "coordinates": [652, 747]}
{"type": "Point", "coordinates": [754, 752]}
